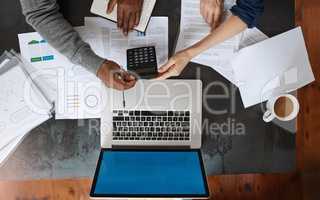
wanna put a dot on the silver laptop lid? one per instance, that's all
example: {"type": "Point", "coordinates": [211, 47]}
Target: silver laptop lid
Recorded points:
{"type": "Point", "coordinates": [179, 95]}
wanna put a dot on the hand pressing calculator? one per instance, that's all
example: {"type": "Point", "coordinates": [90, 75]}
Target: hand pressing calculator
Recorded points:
{"type": "Point", "coordinates": [143, 62]}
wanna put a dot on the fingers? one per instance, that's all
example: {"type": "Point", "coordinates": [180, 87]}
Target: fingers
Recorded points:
{"type": "Point", "coordinates": [202, 8]}
{"type": "Point", "coordinates": [129, 77]}
{"type": "Point", "coordinates": [167, 70]}
{"type": "Point", "coordinates": [114, 77]}
{"type": "Point", "coordinates": [171, 72]}
{"type": "Point", "coordinates": [125, 24]}
{"type": "Point", "coordinates": [216, 19]}
{"type": "Point", "coordinates": [118, 84]}
{"type": "Point", "coordinates": [122, 86]}
{"type": "Point", "coordinates": [129, 22]}
{"type": "Point", "coordinates": [132, 21]}
{"type": "Point", "coordinates": [129, 12]}
{"type": "Point", "coordinates": [166, 66]}
{"type": "Point", "coordinates": [130, 84]}
{"type": "Point", "coordinates": [111, 6]}
{"type": "Point", "coordinates": [123, 81]}
{"type": "Point", "coordinates": [137, 20]}
{"type": "Point", "coordinates": [129, 81]}
{"type": "Point", "coordinates": [120, 17]}
{"type": "Point", "coordinates": [209, 17]}
{"type": "Point", "coordinates": [211, 11]}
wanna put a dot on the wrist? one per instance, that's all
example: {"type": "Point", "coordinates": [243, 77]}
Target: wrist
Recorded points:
{"type": "Point", "coordinates": [191, 53]}
{"type": "Point", "coordinates": [101, 67]}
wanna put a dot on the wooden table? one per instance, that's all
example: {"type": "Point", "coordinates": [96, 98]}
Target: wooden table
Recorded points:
{"type": "Point", "coordinates": [251, 186]}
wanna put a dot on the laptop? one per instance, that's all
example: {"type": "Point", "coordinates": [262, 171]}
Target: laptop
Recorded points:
{"type": "Point", "coordinates": [151, 139]}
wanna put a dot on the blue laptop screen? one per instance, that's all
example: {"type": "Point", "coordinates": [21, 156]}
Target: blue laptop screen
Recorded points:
{"type": "Point", "coordinates": [150, 173]}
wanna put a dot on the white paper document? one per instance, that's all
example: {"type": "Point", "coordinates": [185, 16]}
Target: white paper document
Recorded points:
{"type": "Point", "coordinates": [79, 98]}
{"type": "Point", "coordinates": [22, 107]}
{"type": "Point", "coordinates": [65, 78]}
{"type": "Point", "coordinates": [38, 52]}
{"type": "Point", "coordinates": [45, 63]}
{"type": "Point", "coordinates": [193, 28]}
{"type": "Point", "coordinates": [251, 36]}
{"type": "Point", "coordinates": [6, 151]}
{"type": "Point", "coordinates": [53, 64]}
{"type": "Point", "coordinates": [99, 7]}
{"type": "Point", "coordinates": [115, 44]}
{"type": "Point", "coordinates": [79, 90]}
{"type": "Point", "coordinates": [276, 65]}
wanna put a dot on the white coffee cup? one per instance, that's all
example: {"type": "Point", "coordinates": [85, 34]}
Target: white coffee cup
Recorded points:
{"type": "Point", "coordinates": [270, 114]}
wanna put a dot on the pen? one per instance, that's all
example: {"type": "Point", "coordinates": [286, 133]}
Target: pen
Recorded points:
{"type": "Point", "coordinates": [123, 100]}
{"type": "Point", "coordinates": [123, 95]}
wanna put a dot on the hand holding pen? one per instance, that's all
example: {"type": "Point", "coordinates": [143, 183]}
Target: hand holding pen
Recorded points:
{"type": "Point", "coordinates": [115, 77]}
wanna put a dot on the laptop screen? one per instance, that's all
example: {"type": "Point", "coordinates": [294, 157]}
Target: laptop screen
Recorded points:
{"type": "Point", "coordinates": [135, 173]}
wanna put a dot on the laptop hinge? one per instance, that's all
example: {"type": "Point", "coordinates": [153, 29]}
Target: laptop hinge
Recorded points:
{"type": "Point", "coordinates": [149, 147]}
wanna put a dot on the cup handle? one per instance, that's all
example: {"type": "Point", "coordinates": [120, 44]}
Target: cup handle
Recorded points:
{"type": "Point", "coordinates": [268, 116]}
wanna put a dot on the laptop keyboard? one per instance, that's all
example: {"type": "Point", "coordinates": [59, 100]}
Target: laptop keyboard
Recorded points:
{"type": "Point", "coordinates": [151, 125]}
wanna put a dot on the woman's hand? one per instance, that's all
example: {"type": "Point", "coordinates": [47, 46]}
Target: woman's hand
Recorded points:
{"type": "Point", "coordinates": [174, 66]}
{"type": "Point", "coordinates": [211, 11]}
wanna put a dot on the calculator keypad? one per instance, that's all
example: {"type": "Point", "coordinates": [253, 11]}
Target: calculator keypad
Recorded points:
{"type": "Point", "coordinates": [142, 61]}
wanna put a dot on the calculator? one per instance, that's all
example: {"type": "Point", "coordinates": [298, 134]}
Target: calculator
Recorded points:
{"type": "Point", "coordinates": [143, 62]}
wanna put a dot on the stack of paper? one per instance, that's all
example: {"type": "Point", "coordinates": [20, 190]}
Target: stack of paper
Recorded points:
{"type": "Point", "coordinates": [76, 91]}
{"type": "Point", "coordinates": [64, 77]}
{"type": "Point", "coordinates": [22, 104]}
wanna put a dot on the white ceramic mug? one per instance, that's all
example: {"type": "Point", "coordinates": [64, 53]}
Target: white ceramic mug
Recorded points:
{"type": "Point", "coordinates": [270, 114]}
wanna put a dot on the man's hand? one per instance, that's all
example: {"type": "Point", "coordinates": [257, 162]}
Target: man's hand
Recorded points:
{"type": "Point", "coordinates": [211, 11]}
{"type": "Point", "coordinates": [114, 77]}
{"type": "Point", "coordinates": [128, 13]}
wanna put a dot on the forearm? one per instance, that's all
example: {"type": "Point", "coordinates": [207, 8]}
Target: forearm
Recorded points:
{"type": "Point", "coordinates": [231, 27]}
{"type": "Point", "coordinates": [44, 17]}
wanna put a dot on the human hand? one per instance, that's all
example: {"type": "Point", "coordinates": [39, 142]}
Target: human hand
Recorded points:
{"type": "Point", "coordinates": [174, 66]}
{"type": "Point", "coordinates": [211, 11]}
{"type": "Point", "coordinates": [128, 13]}
{"type": "Point", "coordinates": [114, 77]}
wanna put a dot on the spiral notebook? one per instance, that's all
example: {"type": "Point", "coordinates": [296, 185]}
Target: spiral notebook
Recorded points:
{"type": "Point", "coordinates": [23, 104]}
